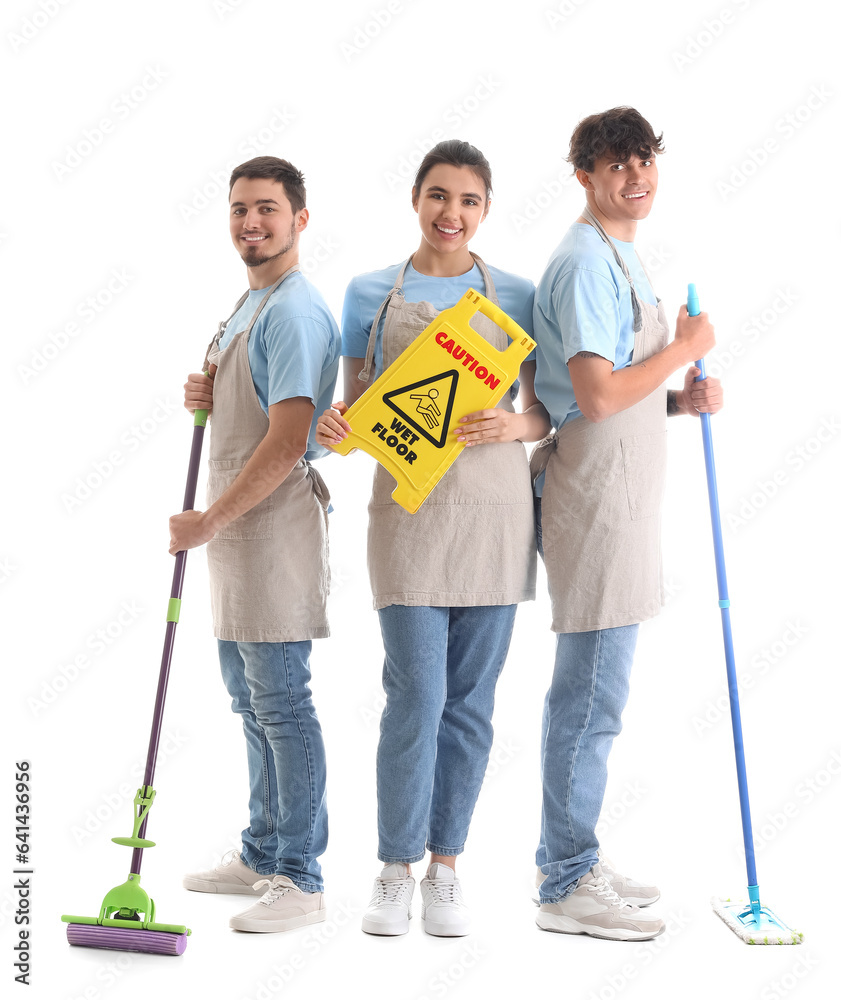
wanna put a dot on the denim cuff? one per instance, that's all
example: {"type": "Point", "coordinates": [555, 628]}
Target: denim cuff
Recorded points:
{"type": "Point", "coordinates": [445, 852]}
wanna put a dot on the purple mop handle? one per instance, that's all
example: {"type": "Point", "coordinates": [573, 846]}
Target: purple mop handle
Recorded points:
{"type": "Point", "coordinates": [693, 308]}
{"type": "Point", "coordinates": [172, 620]}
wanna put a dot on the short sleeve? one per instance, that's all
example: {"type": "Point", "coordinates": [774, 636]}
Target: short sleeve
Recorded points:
{"type": "Point", "coordinates": [588, 312]}
{"type": "Point", "coordinates": [296, 350]}
{"type": "Point", "coordinates": [354, 334]}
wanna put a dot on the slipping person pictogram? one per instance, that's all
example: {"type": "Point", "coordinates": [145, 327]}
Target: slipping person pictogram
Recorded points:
{"type": "Point", "coordinates": [430, 410]}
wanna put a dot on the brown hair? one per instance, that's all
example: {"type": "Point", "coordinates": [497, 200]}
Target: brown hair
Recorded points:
{"type": "Point", "coordinates": [619, 133]}
{"type": "Point", "coordinates": [457, 153]}
{"type": "Point", "coordinates": [274, 169]}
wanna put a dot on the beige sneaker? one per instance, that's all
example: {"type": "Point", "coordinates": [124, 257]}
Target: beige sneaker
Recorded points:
{"type": "Point", "coordinates": [636, 893]}
{"type": "Point", "coordinates": [282, 907]}
{"type": "Point", "coordinates": [230, 875]}
{"type": "Point", "coordinates": [594, 908]}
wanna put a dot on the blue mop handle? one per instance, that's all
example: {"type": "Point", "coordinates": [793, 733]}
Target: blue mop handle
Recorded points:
{"type": "Point", "coordinates": [693, 308]}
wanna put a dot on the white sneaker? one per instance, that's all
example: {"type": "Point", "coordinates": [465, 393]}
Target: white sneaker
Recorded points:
{"type": "Point", "coordinates": [594, 908]}
{"type": "Point", "coordinates": [390, 909]}
{"type": "Point", "coordinates": [443, 911]}
{"type": "Point", "coordinates": [282, 908]}
{"type": "Point", "coordinates": [230, 875]}
{"type": "Point", "coordinates": [636, 893]}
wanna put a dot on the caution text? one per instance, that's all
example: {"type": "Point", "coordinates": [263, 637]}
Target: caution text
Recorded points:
{"type": "Point", "coordinates": [460, 353]}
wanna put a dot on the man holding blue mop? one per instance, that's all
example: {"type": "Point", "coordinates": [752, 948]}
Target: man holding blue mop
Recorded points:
{"type": "Point", "coordinates": [603, 357]}
{"type": "Point", "coordinates": [269, 370]}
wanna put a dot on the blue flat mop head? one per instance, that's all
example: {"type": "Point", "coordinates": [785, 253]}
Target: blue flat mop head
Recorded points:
{"type": "Point", "coordinates": [755, 924]}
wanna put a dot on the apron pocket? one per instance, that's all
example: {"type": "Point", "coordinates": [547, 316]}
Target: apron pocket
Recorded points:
{"type": "Point", "coordinates": [319, 488]}
{"type": "Point", "coordinates": [644, 462]}
{"type": "Point", "coordinates": [254, 523]}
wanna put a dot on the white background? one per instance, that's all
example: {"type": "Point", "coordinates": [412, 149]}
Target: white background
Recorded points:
{"type": "Point", "coordinates": [97, 407]}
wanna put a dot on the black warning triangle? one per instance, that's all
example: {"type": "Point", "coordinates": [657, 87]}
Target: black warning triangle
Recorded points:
{"type": "Point", "coordinates": [427, 405]}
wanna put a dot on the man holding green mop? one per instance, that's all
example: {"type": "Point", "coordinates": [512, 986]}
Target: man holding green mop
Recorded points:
{"type": "Point", "coordinates": [269, 370]}
{"type": "Point", "coordinates": [603, 357]}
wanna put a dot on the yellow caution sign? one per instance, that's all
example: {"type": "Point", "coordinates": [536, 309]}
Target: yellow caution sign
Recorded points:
{"type": "Point", "coordinates": [404, 419]}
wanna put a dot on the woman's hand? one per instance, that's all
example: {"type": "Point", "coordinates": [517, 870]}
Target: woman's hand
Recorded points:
{"type": "Point", "coordinates": [488, 427]}
{"type": "Point", "coordinates": [331, 427]}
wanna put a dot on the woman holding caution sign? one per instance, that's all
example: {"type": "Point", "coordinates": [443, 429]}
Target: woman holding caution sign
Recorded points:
{"type": "Point", "coordinates": [447, 579]}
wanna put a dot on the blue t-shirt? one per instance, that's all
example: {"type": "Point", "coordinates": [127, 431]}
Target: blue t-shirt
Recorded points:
{"type": "Point", "coordinates": [583, 303]}
{"type": "Point", "coordinates": [366, 292]}
{"type": "Point", "coordinates": [293, 349]}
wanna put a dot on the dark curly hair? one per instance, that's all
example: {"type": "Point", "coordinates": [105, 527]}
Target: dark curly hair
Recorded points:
{"type": "Point", "coordinates": [619, 133]}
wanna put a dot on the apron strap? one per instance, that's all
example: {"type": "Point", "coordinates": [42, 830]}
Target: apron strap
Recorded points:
{"type": "Point", "coordinates": [490, 288]}
{"type": "Point", "coordinates": [365, 374]}
{"type": "Point", "coordinates": [223, 325]}
{"type": "Point", "coordinates": [594, 222]}
{"type": "Point", "coordinates": [490, 292]}
{"type": "Point", "coordinates": [214, 344]}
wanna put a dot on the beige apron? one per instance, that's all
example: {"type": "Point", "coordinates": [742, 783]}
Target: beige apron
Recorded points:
{"type": "Point", "coordinates": [472, 543]}
{"type": "Point", "coordinates": [269, 573]}
{"type": "Point", "coordinates": [601, 499]}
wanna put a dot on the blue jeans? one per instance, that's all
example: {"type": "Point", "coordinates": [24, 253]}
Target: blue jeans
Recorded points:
{"type": "Point", "coordinates": [440, 672]}
{"type": "Point", "coordinates": [581, 716]}
{"type": "Point", "coordinates": [269, 687]}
